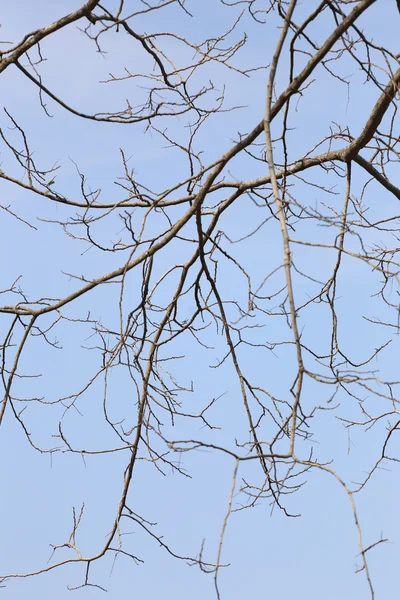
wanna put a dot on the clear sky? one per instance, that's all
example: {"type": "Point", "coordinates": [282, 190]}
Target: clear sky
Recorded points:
{"type": "Point", "coordinates": [270, 555]}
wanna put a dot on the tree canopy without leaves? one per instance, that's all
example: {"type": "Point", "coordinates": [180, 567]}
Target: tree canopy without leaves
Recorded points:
{"type": "Point", "coordinates": [200, 287]}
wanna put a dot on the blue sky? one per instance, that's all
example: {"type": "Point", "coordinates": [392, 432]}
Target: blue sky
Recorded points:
{"type": "Point", "coordinates": [270, 555]}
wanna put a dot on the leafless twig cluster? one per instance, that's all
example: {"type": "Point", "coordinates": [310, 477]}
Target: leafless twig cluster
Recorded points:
{"type": "Point", "coordinates": [225, 264]}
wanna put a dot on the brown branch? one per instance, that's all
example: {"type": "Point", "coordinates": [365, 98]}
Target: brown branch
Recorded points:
{"type": "Point", "coordinates": [33, 38]}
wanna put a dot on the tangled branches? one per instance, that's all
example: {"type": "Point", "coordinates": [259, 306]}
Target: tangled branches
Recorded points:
{"type": "Point", "coordinates": [195, 264]}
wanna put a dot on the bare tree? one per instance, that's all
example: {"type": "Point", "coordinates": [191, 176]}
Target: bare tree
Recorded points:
{"type": "Point", "coordinates": [257, 253]}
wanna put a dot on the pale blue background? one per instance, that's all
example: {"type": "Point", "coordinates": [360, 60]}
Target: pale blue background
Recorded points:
{"type": "Point", "coordinates": [311, 557]}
